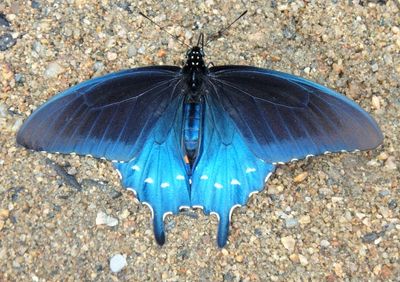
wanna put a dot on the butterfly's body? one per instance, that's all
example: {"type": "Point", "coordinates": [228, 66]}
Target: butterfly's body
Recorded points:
{"type": "Point", "coordinates": [193, 115]}
{"type": "Point", "coordinates": [197, 136]}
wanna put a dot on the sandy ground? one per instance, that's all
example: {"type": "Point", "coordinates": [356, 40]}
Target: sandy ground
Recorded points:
{"type": "Point", "coordinates": [338, 220]}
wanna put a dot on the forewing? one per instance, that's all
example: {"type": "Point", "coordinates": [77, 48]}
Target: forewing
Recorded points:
{"type": "Point", "coordinates": [284, 117]}
{"type": "Point", "coordinates": [109, 116]}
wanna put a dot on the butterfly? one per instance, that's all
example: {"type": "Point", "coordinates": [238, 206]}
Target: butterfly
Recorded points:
{"type": "Point", "coordinates": [198, 137]}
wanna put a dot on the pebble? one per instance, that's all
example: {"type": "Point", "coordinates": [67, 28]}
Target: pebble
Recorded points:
{"type": "Point", "coordinates": [104, 219]}
{"type": "Point", "coordinates": [35, 4]}
{"type": "Point", "coordinates": [132, 51]}
{"type": "Point", "coordinates": [125, 213]}
{"type": "Point", "coordinates": [305, 219]}
{"type": "Point", "coordinates": [291, 222]}
{"type": "Point", "coordinates": [300, 177]}
{"type": "Point", "coordinates": [338, 269]}
{"type": "Point", "coordinates": [375, 67]}
{"type": "Point", "coordinates": [383, 156]}
{"type": "Point", "coordinates": [390, 163]}
{"type": "Point", "coordinates": [6, 74]}
{"type": "Point", "coordinates": [4, 213]}
{"type": "Point", "coordinates": [325, 243]}
{"type": "Point", "coordinates": [384, 193]}
{"type": "Point", "coordinates": [376, 102]}
{"type": "Point", "coordinates": [98, 67]}
{"type": "Point", "coordinates": [6, 41]}
{"type": "Point", "coordinates": [3, 21]}
{"type": "Point", "coordinates": [289, 243]}
{"type": "Point", "coordinates": [17, 124]}
{"type": "Point", "coordinates": [117, 263]}
{"type": "Point", "coordinates": [303, 260]}
{"type": "Point", "coordinates": [3, 110]}
{"type": "Point", "coordinates": [111, 56]}
{"type": "Point", "coordinates": [53, 70]}
{"type": "Point", "coordinates": [370, 237]}
{"type": "Point", "coordinates": [392, 204]}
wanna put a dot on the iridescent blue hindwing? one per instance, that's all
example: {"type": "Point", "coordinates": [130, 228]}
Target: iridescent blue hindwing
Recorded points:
{"type": "Point", "coordinates": [158, 174]}
{"type": "Point", "coordinates": [227, 172]}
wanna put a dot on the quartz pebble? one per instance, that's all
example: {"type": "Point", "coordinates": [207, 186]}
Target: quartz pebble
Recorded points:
{"type": "Point", "coordinates": [289, 243]}
{"type": "Point", "coordinates": [117, 263]}
{"type": "Point", "coordinates": [53, 70]}
{"type": "Point", "coordinates": [291, 222]}
{"type": "Point", "coordinates": [104, 219]}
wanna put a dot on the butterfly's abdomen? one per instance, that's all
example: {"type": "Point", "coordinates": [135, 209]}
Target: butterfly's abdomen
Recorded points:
{"type": "Point", "coordinates": [191, 129]}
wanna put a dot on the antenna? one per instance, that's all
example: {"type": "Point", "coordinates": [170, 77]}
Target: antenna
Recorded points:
{"type": "Point", "coordinates": [163, 29]}
{"type": "Point", "coordinates": [220, 33]}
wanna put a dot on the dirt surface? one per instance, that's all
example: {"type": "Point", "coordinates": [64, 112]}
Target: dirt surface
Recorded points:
{"type": "Point", "coordinates": [328, 218]}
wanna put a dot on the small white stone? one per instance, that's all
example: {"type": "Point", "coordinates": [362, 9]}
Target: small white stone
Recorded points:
{"type": "Point", "coordinates": [117, 263]}
{"type": "Point", "coordinates": [289, 243]}
{"type": "Point", "coordinates": [104, 219]}
{"type": "Point", "coordinates": [111, 56]}
{"type": "Point", "coordinates": [218, 185]}
{"type": "Point", "coordinates": [325, 243]}
{"type": "Point", "coordinates": [53, 70]}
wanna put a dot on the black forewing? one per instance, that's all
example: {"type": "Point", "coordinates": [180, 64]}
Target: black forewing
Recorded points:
{"type": "Point", "coordinates": [109, 116]}
{"type": "Point", "coordinates": [284, 117]}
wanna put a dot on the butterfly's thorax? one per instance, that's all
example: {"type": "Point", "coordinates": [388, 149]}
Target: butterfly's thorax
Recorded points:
{"type": "Point", "coordinates": [194, 71]}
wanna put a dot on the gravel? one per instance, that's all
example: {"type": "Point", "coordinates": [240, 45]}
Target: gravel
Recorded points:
{"type": "Point", "coordinates": [48, 230]}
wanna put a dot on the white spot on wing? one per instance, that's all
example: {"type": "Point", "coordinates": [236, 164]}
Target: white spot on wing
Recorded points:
{"type": "Point", "coordinates": [136, 167]}
{"type": "Point", "coordinates": [218, 185]}
{"type": "Point", "coordinates": [149, 180]}
{"type": "Point", "coordinates": [180, 177]}
{"type": "Point", "coordinates": [250, 169]}
{"type": "Point", "coordinates": [164, 185]}
{"type": "Point", "coordinates": [204, 177]}
{"type": "Point", "coordinates": [235, 182]}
